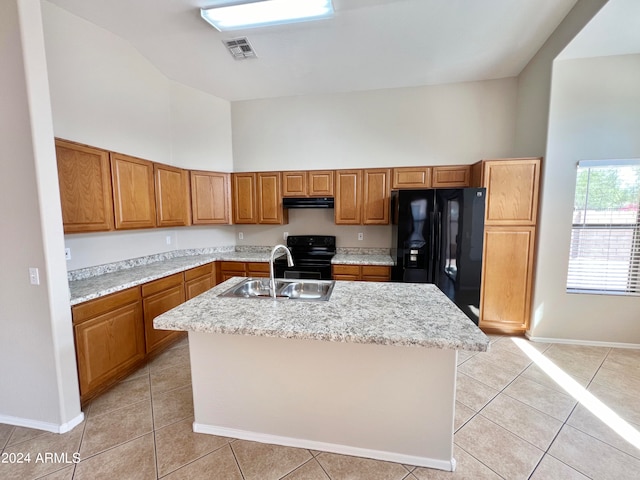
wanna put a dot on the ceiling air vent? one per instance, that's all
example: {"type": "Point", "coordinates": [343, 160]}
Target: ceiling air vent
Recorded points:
{"type": "Point", "coordinates": [240, 48]}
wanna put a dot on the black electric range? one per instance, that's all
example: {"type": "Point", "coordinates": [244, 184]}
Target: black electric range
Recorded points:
{"type": "Point", "coordinates": [312, 256]}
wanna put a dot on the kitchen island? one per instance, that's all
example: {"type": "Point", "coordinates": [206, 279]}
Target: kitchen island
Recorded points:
{"type": "Point", "coordinates": [371, 372]}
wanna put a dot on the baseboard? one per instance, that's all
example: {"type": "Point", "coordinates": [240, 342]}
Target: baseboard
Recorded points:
{"type": "Point", "coordinates": [447, 465]}
{"type": "Point", "coordinates": [39, 425]}
{"type": "Point", "coordinates": [590, 343]}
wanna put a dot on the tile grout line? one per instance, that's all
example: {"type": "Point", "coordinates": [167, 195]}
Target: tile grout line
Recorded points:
{"type": "Point", "coordinates": [233, 452]}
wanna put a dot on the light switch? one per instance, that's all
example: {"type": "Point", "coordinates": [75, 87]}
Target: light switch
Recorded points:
{"type": "Point", "coordinates": [34, 276]}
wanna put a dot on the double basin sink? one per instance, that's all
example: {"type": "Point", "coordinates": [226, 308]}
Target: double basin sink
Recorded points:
{"type": "Point", "coordinates": [293, 289]}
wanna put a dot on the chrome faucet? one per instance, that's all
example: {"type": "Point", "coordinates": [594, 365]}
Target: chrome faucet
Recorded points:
{"type": "Point", "coordinates": [272, 281]}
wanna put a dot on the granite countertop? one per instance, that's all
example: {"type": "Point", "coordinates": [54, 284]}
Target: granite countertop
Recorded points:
{"type": "Point", "coordinates": [106, 283]}
{"type": "Point", "coordinates": [95, 282]}
{"type": "Point", "coordinates": [358, 312]}
{"type": "Point", "coordinates": [362, 259]}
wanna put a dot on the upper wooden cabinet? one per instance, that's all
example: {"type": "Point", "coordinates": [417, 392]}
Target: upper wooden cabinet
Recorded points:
{"type": "Point", "coordinates": [320, 183]}
{"type": "Point", "coordinates": [362, 197]}
{"type": "Point", "coordinates": [173, 201]}
{"type": "Point", "coordinates": [84, 177]}
{"type": "Point", "coordinates": [244, 198]}
{"type": "Point", "coordinates": [133, 192]}
{"type": "Point", "coordinates": [257, 198]}
{"type": "Point", "coordinates": [411, 177]}
{"type": "Point", "coordinates": [376, 192]}
{"type": "Point", "coordinates": [210, 198]}
{"type": "Point", "coordinates": [455, 176]}
{"type": "Point", "coordinates": [308, 183]}
{"type": "Point", "coordinates": [294, 184]}
{"type": "Point", "coordinates": [512, 190]}
{"type": "Point", "coordinates": [269, 197]}
{"type": "Point", "coordinates": [348, 197]}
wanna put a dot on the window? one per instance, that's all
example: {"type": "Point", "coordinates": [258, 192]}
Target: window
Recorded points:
{"type": "Point", "coordinates": [605, 238]}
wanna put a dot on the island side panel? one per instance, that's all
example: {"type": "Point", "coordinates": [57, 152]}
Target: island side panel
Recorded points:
{"type": "Point", "coordinates": [388, 402]}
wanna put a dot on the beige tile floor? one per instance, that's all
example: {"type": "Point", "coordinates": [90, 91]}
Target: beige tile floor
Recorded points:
{"type": "Point", "coordinates": [513, 421]}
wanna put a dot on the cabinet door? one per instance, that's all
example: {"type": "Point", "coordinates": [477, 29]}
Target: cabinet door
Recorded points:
{"type": "Point", "coordinates": [269, 197]}
{"type": "Point", "coordinates": [506, 278]}
{"type": "Point", "coordinates": [84, 176]}
{"type": "Point", "coordinates": [172, 196]}
{"type": "Point", "coordinates": [209, 198]}
{"type": "Point", "coordinates": [411, 177]}
{"type": "Point", "coordinates": [456, 176]}
{"type": "Point", "coordinates": [155, 305]}
{"type": "Point", "coordinates": [294, 184]}
{"type": "Point", "coordinates": [512, 191]}
{"type": "Point", "coordinates": [348, 199]}
{"type": "Point", "coordinates": [375, 204]}
{"type": "Point", "coordinates": [198, 280]}
{"type": "Point", "coordinates": [108, 346]}
{"type": "Point", "coordinates": [133, 192]}
{"type": "Point", "coordinates": [244, 198]}
{"type": "Point", "coordinates": [320, 183]}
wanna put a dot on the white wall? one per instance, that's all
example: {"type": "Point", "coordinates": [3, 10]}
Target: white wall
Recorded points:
{"type": "Point", "coordinates": [39, 386]}
{"type": "Point", "coordinates": [534, 82]}
{"type": "Point", "coordinates": [594, 114]}
{"type": "Point", "coordinates": [104, 93]}
{"type": "Point", "coordinates": [431, 125]}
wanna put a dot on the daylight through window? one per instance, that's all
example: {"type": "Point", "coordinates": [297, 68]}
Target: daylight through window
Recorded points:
{"type": "Point", "coordinates": [605, 239]}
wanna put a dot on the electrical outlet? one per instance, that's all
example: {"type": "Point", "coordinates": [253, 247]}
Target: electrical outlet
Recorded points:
{"type": "Point", "coordinates": [168, 239]}
{"type": "Point", "coordinates": [360, 236]}
{"type": "Point", "coordinates": [285, 235]}
{"type": "Point", "coordinates": [240, 235]}
{"type": "Point", "coordinates": [67, 253]}
{"type": "Point", "coordinates": [34, 276]}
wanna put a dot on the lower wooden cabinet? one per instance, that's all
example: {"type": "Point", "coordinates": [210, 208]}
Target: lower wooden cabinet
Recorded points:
{"type": "Point", "coordinates": [109, 335]}
{"type": "Point", "coordinates": [243, 269]}
{"type": "Point", "coordinates": [160, 296]}
{"type": "Point", "coordinates": [199, 279]}
{"type": "Point", "coordinates": [505, 302]}
{"type": "Point", "coordinates": [366, 273]}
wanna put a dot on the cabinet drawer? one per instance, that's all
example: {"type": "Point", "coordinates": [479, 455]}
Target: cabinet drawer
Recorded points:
{"type": "Point", "coordinates": [200, 271]}
{"type": "Point", "coordinates": [93, 308]}
{"type": "Point", "coordinates": [375, 271]}
{"type": "Point", "coordinates": [232, 266]}
{"type": "Point", "coordinates": [258, 267]}
{"type": "Point", "coordinates": [161, 284]}
{"type": "Point", "coordinates": [346, 270]}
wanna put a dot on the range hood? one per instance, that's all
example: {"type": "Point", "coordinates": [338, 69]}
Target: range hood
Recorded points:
{"type": "Point", "coordinates": [306, 202]}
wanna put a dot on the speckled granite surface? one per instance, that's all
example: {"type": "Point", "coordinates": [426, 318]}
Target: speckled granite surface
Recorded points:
{"type": "Point", "coordinates": [358, 312]}
{"type": "Point", "coordinates": [94, 282]}
{"type": "Point", "coordinates": [100, 285]}
{"type": "Point", "coordinates": [362, 259]}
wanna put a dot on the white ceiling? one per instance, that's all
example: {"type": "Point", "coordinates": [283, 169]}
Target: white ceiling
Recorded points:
{"type": "Point", "coordinates": [368, 44]}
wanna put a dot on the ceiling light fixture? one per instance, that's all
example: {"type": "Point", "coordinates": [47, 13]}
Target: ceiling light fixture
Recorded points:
{"type": "Point", "coordinates": [261, 13]}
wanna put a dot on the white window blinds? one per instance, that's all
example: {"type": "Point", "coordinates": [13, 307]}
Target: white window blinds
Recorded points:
{"type": "Point", "coordinates": [605, 238]}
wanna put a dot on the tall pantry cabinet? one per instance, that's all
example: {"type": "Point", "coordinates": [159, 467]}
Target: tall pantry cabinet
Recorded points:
{"type": "Point", "coordinates": [509, 241]}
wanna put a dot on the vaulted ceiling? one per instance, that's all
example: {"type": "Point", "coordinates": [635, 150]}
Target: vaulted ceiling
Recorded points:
{"type": "Point", "coordinates": [368, 44]}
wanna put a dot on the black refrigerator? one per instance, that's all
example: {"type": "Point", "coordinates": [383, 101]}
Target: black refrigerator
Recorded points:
{"type": "Point", "coordinates": [437, 237]}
